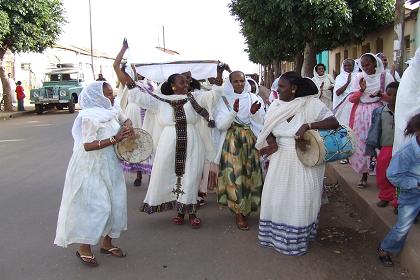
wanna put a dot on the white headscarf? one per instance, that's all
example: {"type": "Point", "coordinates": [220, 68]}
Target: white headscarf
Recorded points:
{"type": "Point", "coordinates": [373, 81]}
{"type": "Point", "coordinates": [326, 79]}
{"type": "Point", "coordinates": [408, 100]}
{"type": "Point", "coordinates": [341, 80]}
{"type": "Point", "coordinates": [257, 88]}
{"type": "Point", "coordinates": [245, 100]}
{"type": "Point", "coordinates": [95, 106]}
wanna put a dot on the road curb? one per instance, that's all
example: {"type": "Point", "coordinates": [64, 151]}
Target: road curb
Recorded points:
{"type": "Point", "coordinates": [382, 219]}
{"type": "Point", "coordinates": [4, 116]}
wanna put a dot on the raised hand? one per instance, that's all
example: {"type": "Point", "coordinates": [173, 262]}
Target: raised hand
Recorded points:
{"type": "Point", "coordinates": [125, 44]}
{"type": "Point", "coordinates": [255, 107]}
{"type": "Point", "coordinates": [236, 105]}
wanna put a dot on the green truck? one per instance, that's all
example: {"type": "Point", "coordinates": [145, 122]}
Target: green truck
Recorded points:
{"type": "Point", "coordinates": [60, 89]}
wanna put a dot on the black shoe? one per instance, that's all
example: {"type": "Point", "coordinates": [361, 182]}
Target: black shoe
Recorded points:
{"type": "Point", "coordinates": [137, 182]}
{"type": "Point", "coordinates": [382, 203]}
{"type": "Point", "coordinates": [385, 258]}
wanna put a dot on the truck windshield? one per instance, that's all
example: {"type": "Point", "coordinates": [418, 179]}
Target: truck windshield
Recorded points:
{"type": "Point", "coordinates": [52, 77]}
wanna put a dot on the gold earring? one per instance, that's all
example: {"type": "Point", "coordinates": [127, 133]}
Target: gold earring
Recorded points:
{"type": "Point", "coordinates": [173, 88]}
{"type": "Point", "coordinates": [293, 91]}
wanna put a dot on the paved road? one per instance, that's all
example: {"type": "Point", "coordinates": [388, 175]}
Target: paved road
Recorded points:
{"type": "Point", "coordinates": [34, 155]}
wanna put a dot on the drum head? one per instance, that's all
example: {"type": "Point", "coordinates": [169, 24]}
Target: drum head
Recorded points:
{"type": "Point", "coordinates": [315, 151]}
{"type": "Point", "coordinates": [135, 149]}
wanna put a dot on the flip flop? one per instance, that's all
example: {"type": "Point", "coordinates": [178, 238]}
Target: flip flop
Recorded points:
{"type": "Point", "coordinates": [112, 252]}
{"type": "Point", "coordinates": [87, 260]}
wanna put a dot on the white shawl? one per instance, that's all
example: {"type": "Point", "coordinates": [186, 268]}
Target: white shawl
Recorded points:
{"type": "Point", "coordinates": [373, 82]}
{"type": "Point", "coordinates": [341, 80]}
{"type": "Point", "coordinates": [278, 112]}
{"type": "Point", "coordinates": [328, 81]}
{"type": "Point", "coordinates": [95, 106]}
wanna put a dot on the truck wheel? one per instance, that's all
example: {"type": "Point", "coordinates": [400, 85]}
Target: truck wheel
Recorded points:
{"type": "Point", "coordinates": [39, 109]}
{"type": "Point", "coordinates": [71, 105]}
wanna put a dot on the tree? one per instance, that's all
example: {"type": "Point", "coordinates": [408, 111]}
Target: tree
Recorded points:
{"type": "Point", "coordinates": [27, 26]}
{"type": "Point", "coordinates": [284, 29]}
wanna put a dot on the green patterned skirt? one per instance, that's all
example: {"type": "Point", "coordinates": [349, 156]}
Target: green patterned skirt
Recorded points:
{"type": "Point", "coordinates": [240, 179]}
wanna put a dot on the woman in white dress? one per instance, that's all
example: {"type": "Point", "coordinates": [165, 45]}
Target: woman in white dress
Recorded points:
{"type": "Point", "coordinates": [343, 87]}
{"type": "Point", "coordinates": [182, 144]}
{"type": "Point", "coordinates": [325, 83]}
{"type": "Point", "coordinates": [94, 198]}
{"type": "Point", "coordinates": [292, 192]}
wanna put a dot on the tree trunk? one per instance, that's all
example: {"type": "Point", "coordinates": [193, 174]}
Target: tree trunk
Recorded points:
{"type": "Point", "coordinates": [5, 82]}
{"type": "Point", "coordinates": [299, 63]}
{"type": "Point", "coordinates": [309, 60]}
{"type": "Point", "coordinates": [276, 69]}
{"type": "Point", "coordinates": [399, 35]}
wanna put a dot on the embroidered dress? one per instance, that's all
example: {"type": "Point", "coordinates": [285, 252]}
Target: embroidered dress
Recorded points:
{"type": "Point", "coordinates": [159, 195]}
{"type": "Point", "coordinates": [292, 192]}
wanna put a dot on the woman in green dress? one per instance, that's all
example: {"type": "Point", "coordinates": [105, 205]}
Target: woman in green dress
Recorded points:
{"type": "Point", "coordinates": [239, 118]}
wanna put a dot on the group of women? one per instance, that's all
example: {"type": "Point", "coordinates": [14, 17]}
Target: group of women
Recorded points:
{"type": "Point", "coordinates": [226, 127]}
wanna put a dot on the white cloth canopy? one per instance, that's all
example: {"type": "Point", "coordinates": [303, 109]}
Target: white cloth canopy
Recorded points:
{"type": "Point", "coordinates": [157, 65]}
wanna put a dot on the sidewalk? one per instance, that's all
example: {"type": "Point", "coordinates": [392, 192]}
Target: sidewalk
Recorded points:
{"type": "Point", "coordinates": [381, 218]}
{"type": "Point", "coordinates": [29, 109]}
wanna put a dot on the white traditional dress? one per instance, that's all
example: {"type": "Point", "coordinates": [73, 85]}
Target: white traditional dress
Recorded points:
{"type": "Point", "coordinates": [341, 104]}
{"type": "Point", "coordinates": [159, 195]}
{"type": "Point", "coordinates": [292, 192]}
{"type": "Point", "coordinates": [408, 100]}
{"type": "Point", "coordinates": [326, 94]}
{"type": "Point", "coordinates": [94, 196]}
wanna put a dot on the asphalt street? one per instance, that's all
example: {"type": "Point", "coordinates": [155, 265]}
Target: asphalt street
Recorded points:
{"type": "Point", "coordinates": [35, 150]}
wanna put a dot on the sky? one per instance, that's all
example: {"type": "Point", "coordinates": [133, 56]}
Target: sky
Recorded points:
{"type": "Point", "coordinates": [198, 29]}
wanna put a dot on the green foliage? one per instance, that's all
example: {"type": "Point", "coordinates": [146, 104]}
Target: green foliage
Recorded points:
{"type": "Point", "coordinates": [30, 25]}
{"type": "Point", "coordinates": [279, 29]}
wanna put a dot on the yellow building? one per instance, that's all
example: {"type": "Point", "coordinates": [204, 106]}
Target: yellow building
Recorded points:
{"type": "Point", "coordinates": [379, 41]}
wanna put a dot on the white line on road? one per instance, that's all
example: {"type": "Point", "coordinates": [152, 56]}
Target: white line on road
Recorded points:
{"type": "Point", "coordinates": [11, 140]}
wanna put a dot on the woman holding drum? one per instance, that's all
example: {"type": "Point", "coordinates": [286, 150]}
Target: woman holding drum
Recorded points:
{"type": "Point", "coordinates": [94, 202]}
{"type": "Point", "coordinates": [291, 197]}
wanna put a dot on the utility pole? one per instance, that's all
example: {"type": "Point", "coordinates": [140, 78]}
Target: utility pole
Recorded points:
{"type": "Point", "coordinates": [163, 30]}
{"type": "Point", "coordinates": [91, 41]}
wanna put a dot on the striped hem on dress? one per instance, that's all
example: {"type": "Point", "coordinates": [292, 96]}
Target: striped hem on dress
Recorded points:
{"type": "Point", "coordinates": [134, 167]}
{"type": "Point", "coordinates": [287, 239]}
{"type": "Point", "coordinates": [180, 207]}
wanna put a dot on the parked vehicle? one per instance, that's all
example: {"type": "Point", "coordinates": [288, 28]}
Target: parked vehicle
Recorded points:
{"type": "Point", "coordinates": [60, 89]}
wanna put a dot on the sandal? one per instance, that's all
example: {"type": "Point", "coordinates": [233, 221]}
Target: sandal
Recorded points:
{"type": "Point", "coordinates": [344, 161]}
{"type": "Point", "coordinates": [178, 220]}
{"type": "Point", "coordinates": [385, 258]}
{"type": "Point", "coordinates": [87, 260]}
{"type": "Point", "coordinates": [114, 251]}
{"type": "Point", "coordinates": [195, 222]}
{"type": "Point", "coordinates": [362, 184]}
{"type": "Point", "coordinates": [241, 223]}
